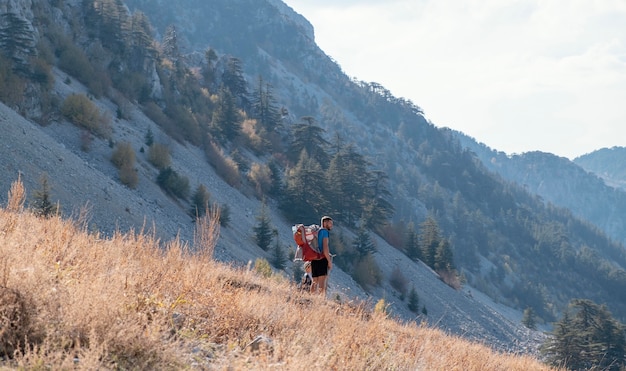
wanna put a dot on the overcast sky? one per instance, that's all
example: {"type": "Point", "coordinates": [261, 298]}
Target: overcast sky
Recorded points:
{"type": "Point", "coordinates": [517, 75]}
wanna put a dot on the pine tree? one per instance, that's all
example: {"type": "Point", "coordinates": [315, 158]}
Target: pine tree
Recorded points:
{"type": "Point", "coordinates": [226, 123]}
{"type": "Point", "coordinates": [142, 51]}
{"type": "Point", "coordinates": [429, 240]}
{"type": "Point", "coordinates": [304, 198]}
{"type": "Point", "coordinates": [234, 80]}
{"type": "Point", "coordinates": [411, 245]}
{"type": "Point", "coordinates": [413, 304]}
{"type": "Point", "coordinates": [279, 259]}
{"type": "Point", "coordinates": [363, 243]}
{"type": "Point", "coordinates": [200, 201]}
{"type": "Point", "coordinates": [169, 44]}
{"type": "Point", "coordinates": [587, 337]}
{"type": "Point", "coordinates": [309, 137]}
{"type": "Point", "coordinates": [528, 318]}
{"type": "Point", "coordinates": [443, 256]}
{"type": "Point", "coordinates": [263, 230]}
{"type": "Point", "coordinates": [42, 204]}
{"type": "Point", "coordinates": [264, 107]}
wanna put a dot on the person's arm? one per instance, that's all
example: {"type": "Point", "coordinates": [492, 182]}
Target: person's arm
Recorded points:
{"type": "Point", "coordinates": [326, 251]}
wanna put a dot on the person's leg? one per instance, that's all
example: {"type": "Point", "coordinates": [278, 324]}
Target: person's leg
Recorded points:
{"type": "Point", "coordinates": [322, 284]}
{"type": "Point", "coordinates": [314, 285]}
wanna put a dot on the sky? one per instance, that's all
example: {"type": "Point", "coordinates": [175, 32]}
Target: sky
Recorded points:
{"type": "Point", "coordinates": [516, 75]}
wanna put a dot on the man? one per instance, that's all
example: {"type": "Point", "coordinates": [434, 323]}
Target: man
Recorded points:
{"type": "Point", "coordinates": [320, 268]}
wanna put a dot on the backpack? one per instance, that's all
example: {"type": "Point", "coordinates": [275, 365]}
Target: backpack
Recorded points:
{"type": "Point", "coordinates": [306, 239]}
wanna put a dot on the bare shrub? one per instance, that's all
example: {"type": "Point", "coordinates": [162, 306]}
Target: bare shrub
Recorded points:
{"type": "Point", "coordinates": [225, 166]}
{"type": "Point", "coordinates": [82, 112]}
{"type": "Point", "coordinates": [398, 281]}
{"type": "Point", "coordinates": [86, 139]}
{"type": "Point", "coordinates": [128, 176]}
{"type": "Point", "coordinates": [159, 156]}
{"type": "Point", "coordinates": [123, 155]}
{"type": "Point", "coordinates": [250, 136]}
{"type": "Point", "coordinates": [17, 195]}
{"type": "Point", "coordinates": [207, 232]}
{"type": "Point", "coordinates": [15, 322]}
{"type": "Point", "coordinates": [156, 114]}
{"type": "Point", "coordinates": [261, 177]}
{"type": "Point", "coordinates": [451, 278]}
{"type": "Point", "coordinates": [366, 272]}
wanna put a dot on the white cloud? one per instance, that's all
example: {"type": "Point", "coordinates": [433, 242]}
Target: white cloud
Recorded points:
{"type": "Point", "coordinates": [518, 75]}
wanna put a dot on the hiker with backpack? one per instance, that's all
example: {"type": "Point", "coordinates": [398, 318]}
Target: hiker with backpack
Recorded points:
{"type": "Point", "coordinates": [321, 267]}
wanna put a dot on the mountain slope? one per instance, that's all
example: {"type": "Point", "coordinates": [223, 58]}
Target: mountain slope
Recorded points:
{"type": "Point", "coordinates": [506, 242]}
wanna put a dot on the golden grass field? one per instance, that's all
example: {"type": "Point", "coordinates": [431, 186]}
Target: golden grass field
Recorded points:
{"type": "Point", "coordinates": [71, 299]}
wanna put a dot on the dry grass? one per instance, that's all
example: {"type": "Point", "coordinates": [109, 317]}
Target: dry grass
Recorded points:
{"type": "Point", "coordinates": [73, 300]}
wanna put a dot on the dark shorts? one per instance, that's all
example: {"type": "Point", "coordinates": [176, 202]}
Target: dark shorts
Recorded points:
{"type": "Point", "coordinates": [319, 267]}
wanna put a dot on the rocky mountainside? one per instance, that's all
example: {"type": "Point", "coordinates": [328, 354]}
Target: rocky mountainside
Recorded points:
{"type": "Point", "coordinates": [85, 183]}
{"type": "Point", "coordinates": [506, 241]}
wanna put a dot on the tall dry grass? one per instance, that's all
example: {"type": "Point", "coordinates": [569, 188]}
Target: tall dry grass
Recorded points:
{"type": "Point", "coordinates": [74, 300]}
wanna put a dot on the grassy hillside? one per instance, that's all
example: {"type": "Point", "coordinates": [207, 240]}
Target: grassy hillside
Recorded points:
{"type": "Point", "coordinates": [71, 299]}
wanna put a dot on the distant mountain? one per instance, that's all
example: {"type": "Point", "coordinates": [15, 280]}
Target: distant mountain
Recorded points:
{"type": "Point", "coordinates": [586, 186]}
{"type": "Point", "coordinates": [607, 163]}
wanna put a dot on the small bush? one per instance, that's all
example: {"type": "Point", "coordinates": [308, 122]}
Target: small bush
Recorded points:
{"type": "Point", "coordinates": [174, 184]}
{"type": "Point", "coordinates": [82, 112]}
{"type": "Point", "coordinates": [128, 176]}
{"type": "Point", "coordinates": [159, 156]}
{"type": "Point", "coordinates": [156, 114]}
{"type": "Point", "coordinates": [15, 322]}
{"type": "Point", "coordinates": [200, 201]}
{"type": "Point", "coordinates": [263, 267]}
{"type": "Point", "coordinates": [381, 307]}
{"type": "Point", "coordinates": [261, 177]}
{"type": "Point", "coordinates": [398, 281]}
{"type": "Point", "coordinates": [413, 304]}
{"type": "Point", "coordinates": [124, 155]}
{"type": "Point", "coordinates": [451, 278]}
{"type": "Point", "coordinates": [366, 272]}
{"type": "Point", "coordinates": [225, 167]}
{"type": "Point", "coordinates": [224, 215]}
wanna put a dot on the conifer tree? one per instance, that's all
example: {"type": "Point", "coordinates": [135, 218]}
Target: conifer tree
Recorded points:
{"type": "Point", "coordinates": [309, 137]}
{"type": "Point", "coordinates": [304, 198]}
{"type": "Point", "coordinates": [264, 106]}
{"type": "Point", "coordinates": [200, 201]}
{"type": "Point", "coordinates": [429, 240]}
{"type": "Point", "coordinates": [411, 245]}
{"type": "Point", "coordinates": [587, 337]}
{"type": "Point", "coordinates": [169, 43]}
{"type": "Point", "coordinates": [413, 300]}
{"type": "Point", "coordinates": [226, 123]}
{"type": "Point", "coordinates": [42, 204]}
{"type": "Point", "coordinates": [263, 233]}
{"type": "Point", "coordinates": [233, 79]}
{"type": "Point", "coordinates": [363, 243]}
{"type": "Point", "coordinates": [528, 318]}
{"type": "Point", "coordinates": [443, 256]}
{"type": "Point", "coordinates": [279, 259]}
